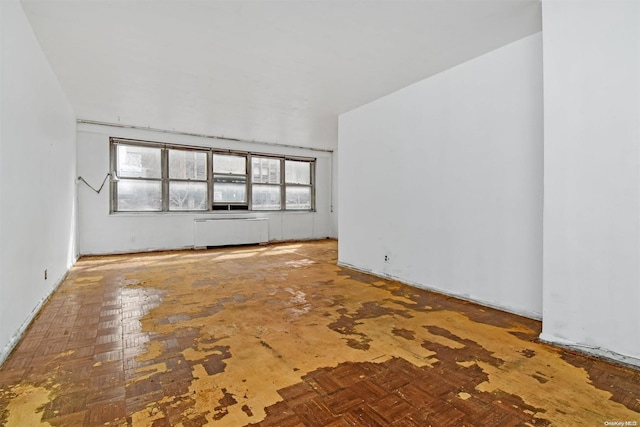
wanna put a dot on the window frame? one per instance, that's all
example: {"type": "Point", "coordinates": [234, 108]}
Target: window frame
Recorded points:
{"type": "Point", "coordinates": [279, 184]}
{"type": "Point", "coordinates": [311, 184]}
{"type": "Point", "coordinates": [212, 206]}
{"type": "Point", "coordinates": [114, 183]}
{"type": "Point", "coordinates": [167, 153]}
{"type": "Point", "coordinates": [231, 206]}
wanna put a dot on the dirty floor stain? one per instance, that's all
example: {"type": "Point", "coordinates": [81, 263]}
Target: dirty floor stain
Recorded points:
{"type": "Point", "coordinates": [279, 335]}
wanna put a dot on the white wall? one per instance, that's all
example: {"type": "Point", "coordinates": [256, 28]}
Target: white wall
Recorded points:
{"type": "Point", "coordinates": [335, 188]}
{"type": "Point", "coordinates": [445, 178]}
{"type": "Point", "coordinates": [592, 176]}
{"type": "Point", "coordinates": [100, 232]}
{"type": "Point", "coordinates": [37, 169]}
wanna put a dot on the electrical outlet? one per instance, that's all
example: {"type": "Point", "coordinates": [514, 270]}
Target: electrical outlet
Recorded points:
{"type": "Point", "coordinates": [386, 258]}
{"type": "Point", "coordinates": [45, 274]}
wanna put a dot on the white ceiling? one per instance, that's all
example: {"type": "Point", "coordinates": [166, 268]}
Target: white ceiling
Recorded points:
{"type": "Point", "coordinates": [273, 71]}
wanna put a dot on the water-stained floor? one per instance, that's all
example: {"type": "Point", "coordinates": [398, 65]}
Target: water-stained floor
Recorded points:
{"type": "Point", "coordinates": [279, 335]}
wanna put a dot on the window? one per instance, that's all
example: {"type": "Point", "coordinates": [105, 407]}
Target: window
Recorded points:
{"type": "Point", "coordinates": [139, 187]}
{"type": "Point", "coordinates": [266, 189]}
{"type": "Point", "coordinates": [298, 185]}
{"type": "Point", "coordinates": [187, 180]}
{"type": "Point", "coordinates": [230, 181]}
{"type": "Point", "coordinates": [153, 177]}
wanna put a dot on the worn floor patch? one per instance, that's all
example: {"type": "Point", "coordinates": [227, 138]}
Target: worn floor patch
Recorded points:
{"type": "Point", "coordinates": [280, 335]}
{"type": "Point", "coordinates": [396, 392]}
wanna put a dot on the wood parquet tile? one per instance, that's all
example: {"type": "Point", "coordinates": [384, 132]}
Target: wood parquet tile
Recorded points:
{"type": "Point", "coordinates": [279, 335]}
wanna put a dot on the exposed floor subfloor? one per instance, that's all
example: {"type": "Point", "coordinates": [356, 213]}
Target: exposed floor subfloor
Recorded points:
{"type": "Point", "coordinates": [279, 335]}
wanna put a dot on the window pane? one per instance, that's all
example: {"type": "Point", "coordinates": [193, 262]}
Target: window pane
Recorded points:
{"type": "Point", "coordinates": [299, 198]}
{"type": "Point", "coordinates": [187, 196]}
{"type": "Point", "coordinates": [297, 172]}
{"type": "Point", "coordinates": [266, 170]}
{"type": "Point", "coordinates": [229, 188]}
{"type": "Point", "coordinates": [134, 195]}
{"type": "Point", "coordinates": [230, 164]}
{"type": "Point", "coordinates": [266, 197]}
{"type": "Point", "coordinates": [138, 162]}
{"type": "Point", "coordinates": [184, 164]}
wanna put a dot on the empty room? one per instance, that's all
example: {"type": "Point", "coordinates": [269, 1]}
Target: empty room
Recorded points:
{"type": "Point", "coordinates": [320, 213]}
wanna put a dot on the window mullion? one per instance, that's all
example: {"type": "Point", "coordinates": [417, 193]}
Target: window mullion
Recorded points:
{"type": "Point", "coordinates": [312, 181]}
{"type": "Point", "coordinates": [114, 183]}
{"type": "Point", "coordinates": [283, 188]}
{"type": "Point", "coordinates": [210, 180]}
{"type": "Point", "coordinates": [249, 181]}
{"type": "Point", "coordinates": [138, 178]}
{"type": "Point", "coordinates": [164, 159]}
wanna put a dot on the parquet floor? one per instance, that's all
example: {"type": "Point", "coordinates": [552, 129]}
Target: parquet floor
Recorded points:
{"type": "Point", "coordinates": [279, 335]}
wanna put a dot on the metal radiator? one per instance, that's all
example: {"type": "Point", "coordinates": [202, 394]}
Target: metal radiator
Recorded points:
{"type": "Point", "coordinates": [230, 231]}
